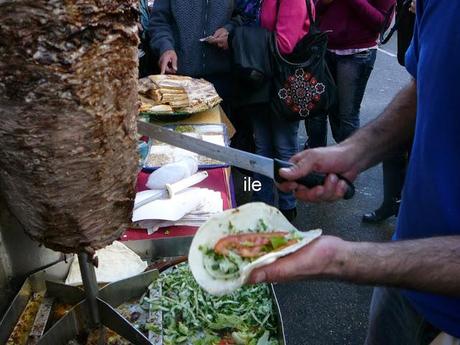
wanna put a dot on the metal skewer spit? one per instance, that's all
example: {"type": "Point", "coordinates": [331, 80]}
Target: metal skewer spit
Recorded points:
{"type": "Point", "coordinates": [88, 275]}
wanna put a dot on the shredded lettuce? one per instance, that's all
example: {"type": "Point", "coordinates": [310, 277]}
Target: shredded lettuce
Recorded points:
{"type": "Point", "coordinates": [193, 317]}
{"type": "Point", "coordinates": [220, 266]}
{"type": "Point", "coordinates": [264, 339]}
{"type": "Point", "coordinates": [278, 241]}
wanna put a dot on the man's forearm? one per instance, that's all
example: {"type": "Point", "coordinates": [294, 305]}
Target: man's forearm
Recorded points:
{"type": "Point", "coordinates": [431, 265]}
{"type": "Point", "coordinates": [389, 132]}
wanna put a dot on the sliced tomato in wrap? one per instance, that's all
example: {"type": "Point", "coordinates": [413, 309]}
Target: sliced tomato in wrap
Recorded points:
{"type": "Point", "coordinates": [227, 341]}
{"type": "Point", "coordinates": [230, 245]}
{"type": "Point", "coordinates": [254, 245]}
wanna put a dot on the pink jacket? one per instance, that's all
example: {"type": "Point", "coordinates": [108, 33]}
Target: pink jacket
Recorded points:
{"type": "Point", "coordinates": [293, 22]}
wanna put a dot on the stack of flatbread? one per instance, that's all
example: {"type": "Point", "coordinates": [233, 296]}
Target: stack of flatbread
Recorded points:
{"type": "Point", "coordinates": [172, 93]}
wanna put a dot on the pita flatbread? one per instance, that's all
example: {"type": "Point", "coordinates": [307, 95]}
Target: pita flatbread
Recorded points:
{"type": "Point", "coordinates": [246, 218]}
{"type": "Point", "coordinates": [116, 262]}
{"type": "Point", "coordinates": [181, 93]}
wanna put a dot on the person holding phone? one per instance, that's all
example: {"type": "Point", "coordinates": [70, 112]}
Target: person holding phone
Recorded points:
{"type": "Point", "coordinates": [353, 28]}
{"type": "Point", "coordinates": [176, 30]}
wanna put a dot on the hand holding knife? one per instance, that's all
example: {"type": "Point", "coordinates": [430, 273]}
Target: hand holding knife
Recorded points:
{"type": "Point", "coordinates": [249, 161]}
{"type": "Point", "coordinates": [313, 179]}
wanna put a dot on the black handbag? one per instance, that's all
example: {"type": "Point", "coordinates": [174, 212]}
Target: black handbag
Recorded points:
{"type": "Point", "coordinates": [251, 57]}
{"type": "Point", "coordinates": [303, 86]}
{"type": "Point", "coordinates": [252, 74]}
{"type": "Point", "coordinates": [402, 10]}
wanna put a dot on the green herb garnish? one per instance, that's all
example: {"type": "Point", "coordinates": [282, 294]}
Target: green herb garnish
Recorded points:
{"type": "Point", "coordinates": [231, 228]}
{"type": "Point", "coordinates": [262, 225]}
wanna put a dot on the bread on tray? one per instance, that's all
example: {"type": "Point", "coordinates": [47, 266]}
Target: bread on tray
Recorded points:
{"type": "Point", "coordinates": [172, 93]}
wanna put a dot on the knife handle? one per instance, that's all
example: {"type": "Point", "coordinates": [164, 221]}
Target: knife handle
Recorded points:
{"type": "Point", "coordinates": [313, 179]}
{"type": "Point", "coordinates": [185, 183]}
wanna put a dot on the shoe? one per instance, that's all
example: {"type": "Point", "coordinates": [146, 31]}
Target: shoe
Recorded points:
{"type": "Point", "coordinates": [290, 214]}
{"type": "Point", "coordinates": [383, 212]}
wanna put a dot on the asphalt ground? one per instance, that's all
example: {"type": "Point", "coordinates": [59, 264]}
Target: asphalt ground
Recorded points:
{"type": "Point", "coordinates": [327, 313]}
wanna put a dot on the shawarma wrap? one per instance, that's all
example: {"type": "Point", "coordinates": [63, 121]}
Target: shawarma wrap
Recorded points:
{"type": "Point", "coordinates": [230, 245]}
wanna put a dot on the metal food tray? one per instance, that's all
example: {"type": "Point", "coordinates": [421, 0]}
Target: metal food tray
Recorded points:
{"type": "Point", "coordinates": [42, 283]}
{"type": "Point", "coordinates": [77, 320]}
{"type": "Point", "coordinates": [202, 129]}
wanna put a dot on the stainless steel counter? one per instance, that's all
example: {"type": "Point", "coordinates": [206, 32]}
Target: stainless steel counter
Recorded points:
{"type": "Point", "coordinates": [19, 256]}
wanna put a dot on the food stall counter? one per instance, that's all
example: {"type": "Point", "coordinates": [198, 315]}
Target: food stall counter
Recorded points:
{"type": "Point", "coordinates": [175, 240]}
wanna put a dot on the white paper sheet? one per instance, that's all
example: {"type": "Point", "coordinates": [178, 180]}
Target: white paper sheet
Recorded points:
{"type": "Point", "coordinates": [171, 209]}
{"type": "Point", "coordinates": [164, 213]}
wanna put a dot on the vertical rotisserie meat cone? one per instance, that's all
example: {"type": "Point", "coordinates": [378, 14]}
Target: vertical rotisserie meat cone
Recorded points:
{"type": "Point", "coordinates": [68, 94]}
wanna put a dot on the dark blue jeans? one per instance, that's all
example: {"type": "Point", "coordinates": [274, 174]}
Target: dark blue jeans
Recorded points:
{"type": "Point", "coordinates": [351, 73]}
{"type": "Point", "coordinates": [274, 138]}
{"type": "Point", "coordinates": [393, 321]}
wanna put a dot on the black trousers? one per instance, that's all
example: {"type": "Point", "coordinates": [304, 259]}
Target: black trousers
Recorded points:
{"type": "Point", "coordinates": [394, 172]}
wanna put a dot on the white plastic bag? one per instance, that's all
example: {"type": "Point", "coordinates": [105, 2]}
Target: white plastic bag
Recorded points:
{"type": "Point", "coordinates": [172, 173]}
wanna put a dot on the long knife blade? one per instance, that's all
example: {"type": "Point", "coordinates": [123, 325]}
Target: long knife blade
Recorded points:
{"type": "Point", "coordinates": [240, 159]}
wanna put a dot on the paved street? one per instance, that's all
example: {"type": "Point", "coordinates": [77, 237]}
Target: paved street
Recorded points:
{"type": "Point", "coordinates": [325, 313]}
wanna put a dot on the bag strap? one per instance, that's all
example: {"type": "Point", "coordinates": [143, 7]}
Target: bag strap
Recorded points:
{"type": "Point", "coordinates": [310, 12]}
{"type": "Point", "coordinates": [400, 16]}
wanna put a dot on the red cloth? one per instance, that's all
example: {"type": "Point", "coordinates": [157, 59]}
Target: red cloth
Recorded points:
{"type": "Point", "coordinates": [217, 180]}
{"type": "Point", "coordinates": [293, 22]}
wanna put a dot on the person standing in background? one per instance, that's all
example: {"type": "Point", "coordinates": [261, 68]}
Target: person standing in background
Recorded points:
{"type": "Point", "coordinates": [243, 139]}
{"type": "Point", "coordinates": [274, 136]}
{"type": "Point", "coordinates": [175, 30]}
{"type": "Point", "coordinates": [394, 168]}
{"type": "Point", "coordinates": [405, 27]}
{"type": "Point", "coordinates": [354, 27]}
{"type": "Point", "coordinates": [146, 66]}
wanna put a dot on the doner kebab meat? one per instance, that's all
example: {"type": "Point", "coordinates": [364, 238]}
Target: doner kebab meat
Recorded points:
{"type": "Point", "coordinates": [68, 106]}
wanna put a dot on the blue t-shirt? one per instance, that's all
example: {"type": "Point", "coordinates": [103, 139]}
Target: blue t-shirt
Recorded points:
{"type": "Point", "coordinates": [431, 199]}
